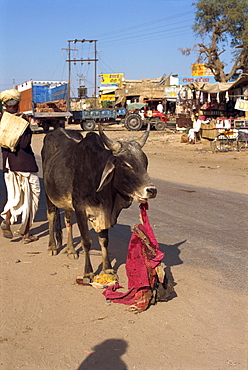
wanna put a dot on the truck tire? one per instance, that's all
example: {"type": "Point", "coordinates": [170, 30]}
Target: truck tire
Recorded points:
{"type": "Point", "coordinates": [88, 125]}
{"type": "Point", "coordinates": [133, 122]}
{"type": "Point", "coordinates": [159, 125]}
{"type": "Point", "coordinates": [56, 125]}
{"type": "Point", "coordinates": [45, 126]}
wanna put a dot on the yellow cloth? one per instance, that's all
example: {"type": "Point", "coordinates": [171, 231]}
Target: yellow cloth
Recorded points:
{"type": "Point", "coordinates": [9, 95]}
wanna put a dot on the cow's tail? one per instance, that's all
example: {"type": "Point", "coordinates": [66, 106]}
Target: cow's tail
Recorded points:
{"type": "Point", "coordinates": [58, 229]}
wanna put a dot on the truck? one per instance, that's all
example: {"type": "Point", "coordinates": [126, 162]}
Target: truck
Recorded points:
{"type": "Point", "coordinates": [45, 102]}
{"type": "Point", "coordinates": [90, 117]}
{"type": "Point", "coordinates": [132, 117]}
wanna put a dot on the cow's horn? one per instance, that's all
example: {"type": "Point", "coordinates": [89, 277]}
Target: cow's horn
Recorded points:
{"type": "Point", "coordinates": [114, 146]}
{"type": "Point", "coordinates": [143, 138]}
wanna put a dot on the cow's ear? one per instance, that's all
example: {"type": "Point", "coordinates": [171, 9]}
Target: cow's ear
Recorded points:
{"type": "Point", "coordinates": [107, 174]}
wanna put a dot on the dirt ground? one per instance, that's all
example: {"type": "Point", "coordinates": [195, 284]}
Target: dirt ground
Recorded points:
{"type": "Point", "coordinates": [50, 322]}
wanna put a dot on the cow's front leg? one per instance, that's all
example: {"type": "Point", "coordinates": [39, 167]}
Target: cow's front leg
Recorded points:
{"type": "Point", "coordinates": [71, 253]}
{"type": "Point", "coordinates": [86, 242]}
{"type": "Point", "coordinates": [103, 241]}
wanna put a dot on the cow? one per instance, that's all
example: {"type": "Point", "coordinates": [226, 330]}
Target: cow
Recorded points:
{"type": "Point", "coordinates": [95, 177]}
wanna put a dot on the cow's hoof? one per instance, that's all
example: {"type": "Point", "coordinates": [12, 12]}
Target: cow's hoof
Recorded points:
{"type": "Point", "coordinates": [72, 256]}
{"type": "Point", "coordinates": [87, 279]}
{"type": "Point", "coordinates": [52, 252]}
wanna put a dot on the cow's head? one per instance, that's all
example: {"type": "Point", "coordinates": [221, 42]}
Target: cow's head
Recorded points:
{"type": "Point", "coordinates": [128, 165]}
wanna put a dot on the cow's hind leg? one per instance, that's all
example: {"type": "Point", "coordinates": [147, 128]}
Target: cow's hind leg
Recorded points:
{"type": "Point", "coordinates": [86, 242]}
{"type": "Point", "coordinates": [103, 241]}
{"type": "Point", "coordinates": [72, 254]}
{"type": "Point", "coordinates": [53, 217]}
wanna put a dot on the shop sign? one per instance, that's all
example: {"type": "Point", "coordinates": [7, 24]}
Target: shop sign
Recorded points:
{"type": "Point", "coordinates": [241, 105]}
{"type": "Point", "coordinates": [107, 97]}
{"type": "Point", "coordinates": [171, 92]}
{"type": "Point", "coordinates": [185, 80]}
{"type": "Point", "coordinates": [198, 69]}
{"type": "Point", "coordinates": [111, 78]}
{"type": "Point", "coordinates": [108, 86]}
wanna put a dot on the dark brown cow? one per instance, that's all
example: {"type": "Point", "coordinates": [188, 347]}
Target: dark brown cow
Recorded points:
{"type": "Point", "coordinates": [81, 175]}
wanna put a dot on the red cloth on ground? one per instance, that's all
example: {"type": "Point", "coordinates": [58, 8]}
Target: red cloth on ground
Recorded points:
{"type": "Point", "coordinates": [140, 267]}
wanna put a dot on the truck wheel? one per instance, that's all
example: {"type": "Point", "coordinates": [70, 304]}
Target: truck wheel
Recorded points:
{"type": "Point", "coordinates": [88, 125]}
{"type": "Point", "coordinates": [56, 125]}
{"type": "Point", "coordinates": [133, 122]}
{"type": "Point", "coordinates": [159, 125]}
{"type": "Point", "coordinates": [45, 126]}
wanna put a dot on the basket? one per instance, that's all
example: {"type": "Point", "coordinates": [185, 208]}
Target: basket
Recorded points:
{"type": "Point", "coordinates": [11, 129]}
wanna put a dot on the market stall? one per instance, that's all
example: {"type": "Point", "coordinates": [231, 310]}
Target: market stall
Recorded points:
{"type": "Point", "coordinates": [220, 105]}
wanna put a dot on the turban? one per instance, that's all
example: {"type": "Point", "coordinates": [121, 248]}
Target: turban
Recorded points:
{"type": "Point", "coordinates": [10, 97]}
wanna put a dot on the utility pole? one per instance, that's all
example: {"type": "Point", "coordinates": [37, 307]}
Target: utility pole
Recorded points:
{"type": "Point", "coordinates": [69, 76]}
{"type": "Point", "coordinates": [81, 60]}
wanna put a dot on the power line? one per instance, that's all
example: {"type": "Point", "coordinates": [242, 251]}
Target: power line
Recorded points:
{"type": "Point", "coordinates": [144, 37]}
{"type": "Point", "coordinates": [156, 21]}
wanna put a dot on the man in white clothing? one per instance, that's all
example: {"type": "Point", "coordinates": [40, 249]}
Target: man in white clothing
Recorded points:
{"type": "Point", "coordinates": [160, 107]}
{"type": "Point", "coordinates": [196, 128]}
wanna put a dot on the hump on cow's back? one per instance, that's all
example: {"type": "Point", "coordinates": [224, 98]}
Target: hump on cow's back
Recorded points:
{"type": "Point", "coordinates": [72, 134]}
{"type": "Point", "coordinates": [58, 140]}
{"type": "Point", "coordinates": [93, 139]}
{"type": "Point", "coordinates": [60, 135]}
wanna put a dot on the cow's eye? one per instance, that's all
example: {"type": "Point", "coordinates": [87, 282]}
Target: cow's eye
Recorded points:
{"type": "Point", "coordinates": [127, 165]}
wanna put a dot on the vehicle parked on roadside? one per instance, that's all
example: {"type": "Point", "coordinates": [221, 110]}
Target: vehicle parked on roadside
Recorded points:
{"type": "Point", "coordinates": [139, 117]}
{"type": "Point", "coordinates": [90, 117]}
{"type": "Point", "coordinates": [134, 117]}
{"type": "Point", "coordinates": [45, 102]}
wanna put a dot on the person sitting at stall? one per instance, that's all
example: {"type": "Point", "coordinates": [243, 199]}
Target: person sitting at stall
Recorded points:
{"type": "Point", "coordinates": [195, 129]}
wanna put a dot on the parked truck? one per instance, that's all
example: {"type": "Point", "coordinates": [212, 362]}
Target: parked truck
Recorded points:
{"type": "Point", "coordinates": [133, 118]}
{"type": "Point", "coordinates": [45, 102]}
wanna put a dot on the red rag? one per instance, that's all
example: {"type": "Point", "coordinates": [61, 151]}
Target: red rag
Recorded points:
{"type": "Point", "coordinates": [140, 267]}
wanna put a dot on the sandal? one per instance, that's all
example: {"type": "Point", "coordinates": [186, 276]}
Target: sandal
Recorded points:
{"type": "Point", "coordinates": [29, 239]}
{"type": "Point", "coordinates": [7, 233]}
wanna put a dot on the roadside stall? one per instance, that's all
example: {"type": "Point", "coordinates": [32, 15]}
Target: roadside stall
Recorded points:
{"type": "Point", "coordinates": [221, 106]}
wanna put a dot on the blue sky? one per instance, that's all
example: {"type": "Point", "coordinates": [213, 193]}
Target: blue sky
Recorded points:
{"type": "Point", "coordinates": [140, 38]}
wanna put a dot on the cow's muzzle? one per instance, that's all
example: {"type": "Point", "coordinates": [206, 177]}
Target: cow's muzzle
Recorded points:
{"type": "Point", "coordinates": [148, 193]}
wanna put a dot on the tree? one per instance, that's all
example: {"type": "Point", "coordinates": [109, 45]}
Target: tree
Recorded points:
{"type": "Point", "coordinates": [221, 24]}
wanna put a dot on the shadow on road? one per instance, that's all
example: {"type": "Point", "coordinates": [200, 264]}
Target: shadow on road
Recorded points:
{"type": "Point", "coordinates": [106, 356]}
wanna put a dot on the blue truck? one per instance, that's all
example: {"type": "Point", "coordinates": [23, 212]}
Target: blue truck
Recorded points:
{"type": "Point", "coordinates": [90, 117]}
{"type": "Point", "coordinates": [132, 118]}
{"type": "Point", "coordinates": [45, 102]}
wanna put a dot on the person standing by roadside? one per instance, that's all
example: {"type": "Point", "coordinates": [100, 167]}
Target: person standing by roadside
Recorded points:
{"type": "Point", "coordinates": [20, 175]}
{"type": "Point", "coordinates": [160, 107]}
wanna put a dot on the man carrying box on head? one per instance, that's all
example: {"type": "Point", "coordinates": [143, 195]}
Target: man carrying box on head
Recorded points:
{"type": "Point", "coordinates": [19, 167]}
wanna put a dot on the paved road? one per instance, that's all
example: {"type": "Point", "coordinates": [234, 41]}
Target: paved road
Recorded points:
{"type": "Point", "coordinates": [210, 227]}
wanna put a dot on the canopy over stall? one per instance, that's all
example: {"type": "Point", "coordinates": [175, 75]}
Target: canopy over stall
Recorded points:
{"type": "Point", "coordinates": [219, 86]}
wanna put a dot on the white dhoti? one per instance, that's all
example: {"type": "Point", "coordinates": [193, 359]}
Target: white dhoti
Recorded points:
{"type": "Point", "coordinates": [23, 193]}
{"type": "Point", "coordinates": [191, 134]}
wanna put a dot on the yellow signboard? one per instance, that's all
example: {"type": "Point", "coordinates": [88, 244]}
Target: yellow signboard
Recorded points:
{"type": "Point", "coordinates": [111, 78]}
{"type": "Point", "coordinates": [198, 69]}
{"type": "Point", "coordinates": [107, 97]}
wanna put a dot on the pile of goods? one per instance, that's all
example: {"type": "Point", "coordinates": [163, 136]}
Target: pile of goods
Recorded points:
{"type": "Point", "coordinates": [52, 106]}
